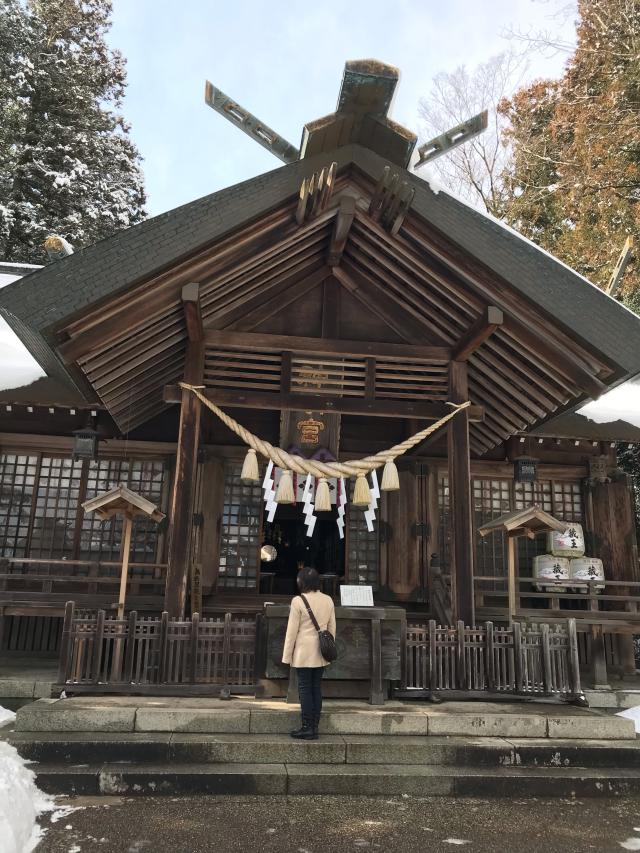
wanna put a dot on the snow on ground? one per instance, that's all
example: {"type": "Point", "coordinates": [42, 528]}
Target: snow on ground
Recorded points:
{"type": "Point", "coordinates": [17, 366]}
{"type": "Point", "coordinates": [6, 716]}
{"type": "Point", "coordinates": [20, 801]}
{"type": "Point", "coordinates": [632, 714]}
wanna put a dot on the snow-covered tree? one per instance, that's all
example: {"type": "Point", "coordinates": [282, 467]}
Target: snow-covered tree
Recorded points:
{"type": "Point", "coordinates": [67, 164]}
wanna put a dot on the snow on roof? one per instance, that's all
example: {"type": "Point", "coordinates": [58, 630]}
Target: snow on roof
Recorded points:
{"type": "Point", "coordinates": [17, 365]}
{"type": "Point", "coordinates": [620, 404]}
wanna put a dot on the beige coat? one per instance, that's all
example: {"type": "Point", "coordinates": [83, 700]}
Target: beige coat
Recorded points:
{"type": "Point", "coordinates": [301, 645]}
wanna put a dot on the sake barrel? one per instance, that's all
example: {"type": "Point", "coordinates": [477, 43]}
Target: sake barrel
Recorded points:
{"type": "Point", "coordinates": [568, 543]}
{"type": "Point", "coordinates": [588, 572]}
{"type": "Point", "coordinates": [550, 571]}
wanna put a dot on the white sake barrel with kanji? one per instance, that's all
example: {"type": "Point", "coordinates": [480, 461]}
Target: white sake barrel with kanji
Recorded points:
{"type": "Point", "coordinates": [588, 572]}
{"type": "Point", "coordinates": [550, 571]}
{"type": "Point", "coordinates": [568, 543]}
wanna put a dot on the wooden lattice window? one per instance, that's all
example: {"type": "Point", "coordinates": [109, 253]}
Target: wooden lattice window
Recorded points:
{"type": "Point", "coordinates": [101, 540]}
{"type": "Point", "coordinates": [363, 557]}
{"type": "Point", "coordinates": [240, 533]}
{"type": "Point", "coordinates": [41, 514]}
{"type": "Point", "coordinates": [58, 496]}
{"type": "Point", "coordinates": [491, 498]}
{"type": "Point", "coordinates": [17, 479]}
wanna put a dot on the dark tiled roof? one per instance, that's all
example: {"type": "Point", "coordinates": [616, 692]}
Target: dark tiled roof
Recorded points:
{"type": "Point", "coordinates": [36, 303]}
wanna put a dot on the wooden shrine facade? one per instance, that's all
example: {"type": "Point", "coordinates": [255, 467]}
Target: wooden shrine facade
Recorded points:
{"type": "Point", "coordinates": [341, 294]}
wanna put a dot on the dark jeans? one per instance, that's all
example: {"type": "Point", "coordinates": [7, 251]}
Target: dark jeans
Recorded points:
{"type": "Point", "coordinates": [310, 690]}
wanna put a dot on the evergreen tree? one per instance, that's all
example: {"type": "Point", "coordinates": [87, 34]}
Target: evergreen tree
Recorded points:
{"type": "Point", "coordinates": [67, 163]}
{"type": "Point", "coordinates": [574, 179]}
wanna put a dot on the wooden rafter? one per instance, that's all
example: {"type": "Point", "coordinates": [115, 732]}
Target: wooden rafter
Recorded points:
{"type": "Point", "coordinates": [478, 333]}
{"type": "Point", "coordinates": [192, 312]}
{"type": "Point", "coordinates": [341, 228]}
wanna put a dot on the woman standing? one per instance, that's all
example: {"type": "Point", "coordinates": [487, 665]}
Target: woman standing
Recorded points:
{"type": "Point", "coordinates": [302, 648]}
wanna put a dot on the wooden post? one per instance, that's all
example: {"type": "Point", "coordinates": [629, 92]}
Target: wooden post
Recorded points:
{"type": "Point", "coordinates": [96, 661]}
{"type": "Point", "coordinates": [65, 643]}
{"type": "Point", "coordinates": [376, 696]}
{"type": "Point", "coordinates": [546, 659]}
{"type": "Point", "coordinates": [433, 657]}
{"type": "Point", "coordinates": [511, 578]}
{"type": "Point", "coordinates": [598, 658]}
{"type": "Point", "coordinates": [461, 666]}
{"type": "Point", "coordinates": [126, 546]}
{"type": "Point", "coordinates": [184, 481]}
{"type": "Point", "coordinates": [462, 550]}
{"type": "Point", "coordinates": [489, 663]}
{"type": "Point", "coordinates": [574, 660]}
{"type": "Point", "coordinates": [517, 657]}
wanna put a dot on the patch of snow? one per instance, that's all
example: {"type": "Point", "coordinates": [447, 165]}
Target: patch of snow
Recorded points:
{"type": "Point", "coordinates": [17, 365]}
{"type": "Point", "coordinates": [6, 716]}
{"type": "Point", "coordinates": [20, 803]}
{"type": "Point", "coordinates": [620, 404]}
{"type": "Point", "coordinates": [632, 714]}
{"type": "Point", "coordinates": [630, 844]}
{"type": "Point", "coordinates": [455, 841]}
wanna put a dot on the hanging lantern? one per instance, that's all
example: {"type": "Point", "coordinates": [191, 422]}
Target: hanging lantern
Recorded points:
{"type": "Point", "coordinates": [390, 479]}
{"type": "Point", "coordinates": [323, 496]}
{"type": "Point", "coordinates": [361, 493]}
{"type": "Point", "coordinates": [250, 472]}
{"type": "Point", "coordinates": [85, 443]}
{"type": "Point", "coordinates": [284, 493]}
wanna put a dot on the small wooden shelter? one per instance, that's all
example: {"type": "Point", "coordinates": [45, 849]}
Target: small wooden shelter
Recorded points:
{"type": "Point", "coordinates": [527, 522]}
{"type": "Point", "coordinates": [123, 501]}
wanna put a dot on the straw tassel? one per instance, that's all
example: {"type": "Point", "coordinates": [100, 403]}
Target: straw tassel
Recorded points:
{"type": "Point", "coordinates": [323, 496]}
{"type": "Point", "coordinates": [361, 493]}
{"type": "Point", "coordinates": [390, 480]}
{"type": "Point", "coordinates": [250, 472]}
{"type": "Point", "coordinates": [285, 494]}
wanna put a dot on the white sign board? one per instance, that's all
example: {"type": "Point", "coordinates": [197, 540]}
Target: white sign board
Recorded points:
{"type": "Point", "coordinates": [356, 596]}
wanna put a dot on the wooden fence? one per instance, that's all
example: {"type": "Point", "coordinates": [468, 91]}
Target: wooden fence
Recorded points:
{"type": "Point", "coordinates": [520, 660]}
{"type": "Point", "coordinates": [156, 655]}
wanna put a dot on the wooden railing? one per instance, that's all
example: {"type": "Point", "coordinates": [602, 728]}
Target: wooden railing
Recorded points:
{"type": "Point", "coordinates": [617, 607]}
{"type": "Point", "coordinates": [156, 655]}
{"type": "Point", "coordinates": [27, 582]}
{"type": "Point", "coordinates": [521, 660]}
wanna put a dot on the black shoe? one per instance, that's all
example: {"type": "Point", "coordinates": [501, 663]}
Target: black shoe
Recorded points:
{"type": "Point", "coordinates": [306, 730]}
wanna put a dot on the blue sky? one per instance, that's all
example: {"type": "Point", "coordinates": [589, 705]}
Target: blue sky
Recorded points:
{"type": "Point", "coordinates": [283, 61]}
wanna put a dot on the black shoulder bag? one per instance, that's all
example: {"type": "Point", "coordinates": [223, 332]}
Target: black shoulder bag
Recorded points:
{"type": "Point", "coordinates": [328, 648]}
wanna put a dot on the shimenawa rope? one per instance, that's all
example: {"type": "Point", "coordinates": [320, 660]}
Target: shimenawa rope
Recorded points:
{"type": "Point", "coordinates": [352, 468]}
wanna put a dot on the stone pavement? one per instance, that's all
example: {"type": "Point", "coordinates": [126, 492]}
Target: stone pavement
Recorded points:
{"type": "Point", "coordinates": [342, 825]}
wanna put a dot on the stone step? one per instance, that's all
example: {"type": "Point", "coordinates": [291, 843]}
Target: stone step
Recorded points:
{"type": "Point", "coordinates": [141, 748]}
{"type": "Point", "coordinates": [316, 779]}
{"type": "Point", "coordinates": [133, 714]}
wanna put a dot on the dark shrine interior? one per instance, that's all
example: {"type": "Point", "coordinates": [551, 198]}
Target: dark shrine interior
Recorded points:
{"type": "Point", "coordinates": [324, 551]}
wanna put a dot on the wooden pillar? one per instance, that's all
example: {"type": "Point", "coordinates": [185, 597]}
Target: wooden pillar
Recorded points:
{"type": "Point", "coordinates": [462, 551]}
{"type": "Point", "coordinates": [184, 481]}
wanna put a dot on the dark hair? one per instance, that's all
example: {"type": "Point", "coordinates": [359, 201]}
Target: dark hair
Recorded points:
{"type": "Point", "coordinates": [308, 580]}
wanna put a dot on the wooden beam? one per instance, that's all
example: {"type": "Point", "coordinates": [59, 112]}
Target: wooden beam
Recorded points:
{"type": "Point", "coordinates": [384, 304]}
{"type": "Point", "coordinates": [324, 346]}
{"type": "Point", "coordinates": [331, 308]}
{"type": "Point", "coordinates": [460, 506]}
{"type": "Point", "coordinates": [184, 480]}
{"type": "Point", "coordinates": [341, 229]}
{"type": "Point", "coordinates": [429, 411]}
{"type": "Point", "coordinates": [192, 312]}
{"type": "Point", "coordinates": [478, 333]}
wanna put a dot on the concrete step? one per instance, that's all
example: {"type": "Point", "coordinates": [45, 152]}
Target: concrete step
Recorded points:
{"type": "Point", "coordinates": [141, 748]}
{"type": "Point", "coordinates": [356, 779]}
{"type": "Point", "coordinates": [207, 716]}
